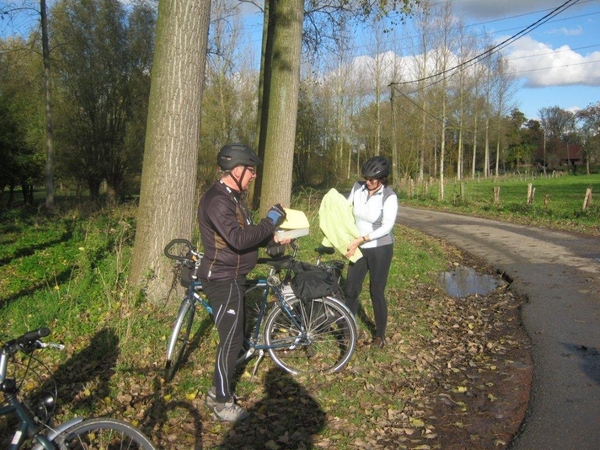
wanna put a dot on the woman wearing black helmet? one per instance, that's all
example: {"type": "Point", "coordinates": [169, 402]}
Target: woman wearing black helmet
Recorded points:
{"type": "Point", "coordinates": [231, 243]}
{"type": "Point", "coordinates": [375, 206]}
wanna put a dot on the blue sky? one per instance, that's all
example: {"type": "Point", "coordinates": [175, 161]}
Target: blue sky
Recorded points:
{"type": "Point", "coordinates": [558, 63]}
{"type": "Point", "coordinates": [555, 64]}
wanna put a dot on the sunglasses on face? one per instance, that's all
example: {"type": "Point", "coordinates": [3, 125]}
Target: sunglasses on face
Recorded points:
{"type": "Point", "coordinates": [371, 180]}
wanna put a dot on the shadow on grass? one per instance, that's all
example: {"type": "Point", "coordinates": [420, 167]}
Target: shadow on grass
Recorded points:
{"type": "Point", "coordinates": [24, 252]}
{"type": "Point", "coordinates": [193, 345]}
{"type": "Point", "coordinates": [59, 279]}
{"type": "Point", "coordinates": [83, 381]}
{"type": "Point", "coordinates": [288, 417]}
{"type": "Point", "coordinates": [157, 425]}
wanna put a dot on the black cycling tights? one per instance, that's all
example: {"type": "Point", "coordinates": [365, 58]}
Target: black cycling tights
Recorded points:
{"type": "Point", "coordinates": [377, 262]}
{"type": "Point", "coordinates": [227, 302]}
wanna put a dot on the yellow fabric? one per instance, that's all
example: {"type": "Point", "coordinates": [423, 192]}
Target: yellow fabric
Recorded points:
{"type": "Point", "coordinates": [294, 220]}
{"type": "Point", "coordinates": [337, 223]}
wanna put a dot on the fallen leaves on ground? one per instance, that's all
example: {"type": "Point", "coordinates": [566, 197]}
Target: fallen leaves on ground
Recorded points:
{"type": "Point", "coordinates": [455, 374]}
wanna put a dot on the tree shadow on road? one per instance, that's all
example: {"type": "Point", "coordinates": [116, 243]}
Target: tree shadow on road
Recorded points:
{"type": "Point", "coordinates": [589, 359]}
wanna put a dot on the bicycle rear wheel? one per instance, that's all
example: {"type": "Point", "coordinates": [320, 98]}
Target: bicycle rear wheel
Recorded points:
{"type": "Point", "coordinates": [180, 337]}
{"type": "Point", "coordinates": [103, 433]}
{"type": "Point", "coordinates": [317, 335]}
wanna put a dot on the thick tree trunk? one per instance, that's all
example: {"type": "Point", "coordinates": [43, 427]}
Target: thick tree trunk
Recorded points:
{"type": "Point", "coordinates": [284, 86]}
{"type": "Point", "coordinates": [167, 202]}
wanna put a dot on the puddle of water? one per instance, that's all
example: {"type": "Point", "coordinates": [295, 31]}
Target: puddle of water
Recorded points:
{"type": "Point", "coordinates": [464, 281]}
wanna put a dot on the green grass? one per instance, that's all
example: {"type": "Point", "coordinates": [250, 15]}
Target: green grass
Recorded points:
{"type": "Point", "coordinates": [69, 273]}
{"type": "Point", "coordinates": [557, 203]}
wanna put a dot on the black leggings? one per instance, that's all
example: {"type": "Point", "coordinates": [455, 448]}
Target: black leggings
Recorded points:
{"type": "Point", "coordinates": [227, 302]}
{"type": "Point", "coordinates": [377, 262]}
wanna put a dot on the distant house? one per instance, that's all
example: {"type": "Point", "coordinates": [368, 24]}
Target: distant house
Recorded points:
{"type": "Point", "coordinates": [559, 154]}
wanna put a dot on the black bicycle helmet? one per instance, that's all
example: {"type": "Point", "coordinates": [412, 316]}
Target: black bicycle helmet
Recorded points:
{"type": "Point", "coordinates": [376, 167]}
{"type": "Point", "coordinates": [232, 155]}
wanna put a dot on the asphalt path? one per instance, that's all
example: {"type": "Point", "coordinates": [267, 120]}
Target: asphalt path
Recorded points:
{"type": "Point", "coordinates": [559, 273]}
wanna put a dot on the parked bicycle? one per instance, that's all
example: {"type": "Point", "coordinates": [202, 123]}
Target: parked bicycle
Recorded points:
{"type": "Point", "coordinates": [300, 334]}
{"type": "Point", "coordinates": [35, 423]}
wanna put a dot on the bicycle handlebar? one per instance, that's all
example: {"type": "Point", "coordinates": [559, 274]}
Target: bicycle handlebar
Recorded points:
{"type": "Point", "coordinates": [173, 251]}
{"type": "Point", "coordinates": [26, 343]}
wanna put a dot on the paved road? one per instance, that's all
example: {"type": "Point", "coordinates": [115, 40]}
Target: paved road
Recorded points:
{"type": "Point", "coordinates": [559, 273]}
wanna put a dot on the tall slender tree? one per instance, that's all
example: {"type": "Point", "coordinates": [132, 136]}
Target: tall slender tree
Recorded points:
{"type": "Point", "coordinates": [280, 134]}
{"type": "Point", "coordinates": [49, 172]}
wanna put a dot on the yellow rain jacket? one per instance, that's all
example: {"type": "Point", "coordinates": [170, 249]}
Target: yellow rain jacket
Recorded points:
{"type": "Point", "coordinates": [337, 223]}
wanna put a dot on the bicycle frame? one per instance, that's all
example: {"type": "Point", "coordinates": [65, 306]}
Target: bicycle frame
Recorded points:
{"type": "Point", "coordinates": [299, 326]}
{"type": "Point", "coordinates": [252, 341]}
{"type": "Point", "coordinates": [27, 427]}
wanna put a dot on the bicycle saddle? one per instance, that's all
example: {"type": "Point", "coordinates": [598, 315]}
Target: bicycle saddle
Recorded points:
{"type": "Point", "coordinates": [279, 263]}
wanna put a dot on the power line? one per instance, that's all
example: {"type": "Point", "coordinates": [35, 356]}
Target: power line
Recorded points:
{"type": "Point", "coordinates": [389, 41]}
{"type": "Point", "coordinates": [558, 67]}
{"type": "Point", "coordinates": [553, 52]}
{"type": "Point", "coordinates": [488, 52]}
{"type": "Point", "coordinates": [499, 46]}
{"type": "Point", "coordinates": [523, 71]}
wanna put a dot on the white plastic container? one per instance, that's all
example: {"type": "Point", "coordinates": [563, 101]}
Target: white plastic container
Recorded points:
{"type": "Point", "coordinates": [291, 234]}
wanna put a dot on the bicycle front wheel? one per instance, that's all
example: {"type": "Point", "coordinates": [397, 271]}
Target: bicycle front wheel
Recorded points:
{"type": "Point", "coordinates": [180, 337]}
{"type": "Point", "coordinates": [103, 434]}
{"type": "Point", "coordinates": [316, 335]}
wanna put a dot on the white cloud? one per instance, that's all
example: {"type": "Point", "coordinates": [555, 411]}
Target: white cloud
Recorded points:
{"type": "Point", "coordinates": [541, 65]}
{"type": "Point", "coordinates": [578, 31]}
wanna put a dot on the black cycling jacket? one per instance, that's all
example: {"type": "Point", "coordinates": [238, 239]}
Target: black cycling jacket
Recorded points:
{"type": "Point", "coordinates": [229, 238]}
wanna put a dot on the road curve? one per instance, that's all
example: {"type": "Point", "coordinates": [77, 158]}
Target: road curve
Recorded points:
{"type": "Point", "coordinates": [559, 273]}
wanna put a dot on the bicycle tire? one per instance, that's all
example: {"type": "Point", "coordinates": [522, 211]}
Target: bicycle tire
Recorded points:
{"type": "Point", "coordinates": [180, 338]}
{"type": "Point", "coordinates": [103, 433]}
{"type": "Point", "coordinates": [323, 342]}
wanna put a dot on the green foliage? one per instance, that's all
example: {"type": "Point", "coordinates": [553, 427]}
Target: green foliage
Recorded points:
{"type": "Point", "coordinates": [21, 127]}
{"type": "Point", "coordinates": [102, 57]}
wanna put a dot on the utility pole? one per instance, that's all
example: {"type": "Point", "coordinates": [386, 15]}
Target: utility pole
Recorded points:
{"type": "Point", "coordinates": [394, 141]}
{"type": "Point", "coordinates": [544, 133]}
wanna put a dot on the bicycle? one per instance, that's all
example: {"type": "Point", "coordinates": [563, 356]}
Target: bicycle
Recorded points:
{"type": "Point", "coordinates": [35, 424]}
{"type": "Point", "coordinates": [300, 335]}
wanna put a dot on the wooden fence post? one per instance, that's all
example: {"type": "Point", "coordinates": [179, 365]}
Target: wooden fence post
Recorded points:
{"type": "Point", "coordinates": [587, 200]}
{"type": "Point", "coordinates": [546, 201]}
{"type": "Point", "coordinates": [530, 193]}
{"type": "Point", "coordinates": [496, 194]}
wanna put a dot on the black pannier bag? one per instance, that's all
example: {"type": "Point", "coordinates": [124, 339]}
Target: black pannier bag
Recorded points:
{"type": "Point", "coordinates": [310, 282]}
